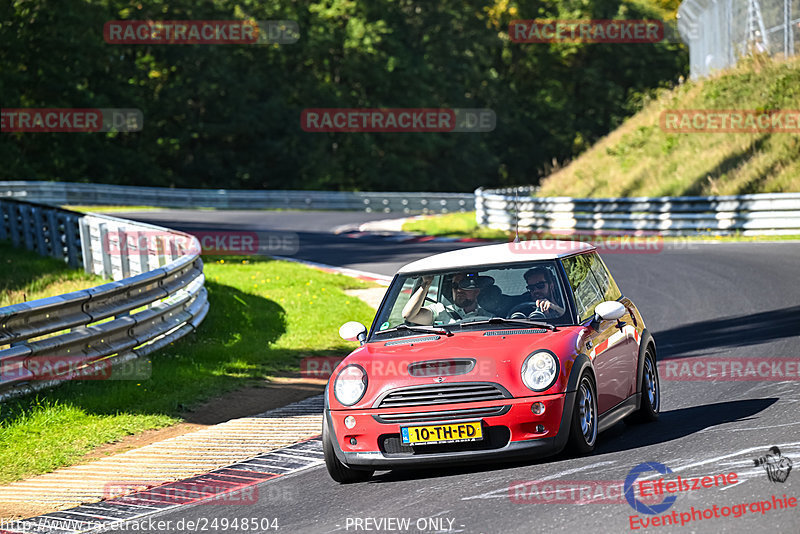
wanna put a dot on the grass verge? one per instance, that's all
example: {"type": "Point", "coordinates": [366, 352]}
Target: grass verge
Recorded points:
{"type": "Point", "coordinates": [640, 158]}
{"type": "Point", "coordinates": [265, 316]}
{"type": "Point", "coordinates": [25, 275]}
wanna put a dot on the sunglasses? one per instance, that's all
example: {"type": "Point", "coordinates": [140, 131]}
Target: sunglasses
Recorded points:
{"type": "Point", "coordinates": [537, 285]}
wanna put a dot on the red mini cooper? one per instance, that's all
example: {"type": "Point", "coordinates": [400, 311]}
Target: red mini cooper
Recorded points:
{"type": "Point", "coordinates": [503, 351]}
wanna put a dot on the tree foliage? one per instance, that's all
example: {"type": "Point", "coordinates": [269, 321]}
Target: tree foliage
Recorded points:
{"type": "Point", "coordinates": [229, 115]}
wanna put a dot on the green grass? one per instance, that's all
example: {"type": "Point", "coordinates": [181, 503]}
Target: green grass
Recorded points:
{"type": "Point", "coordinates": [265, 316]}
{"type": "Point", "coordinates": [464, 225]}
{"type": "Point", "coordinates": [640, 159]}
{"type": "Point", "coordinates": [461, 224]}
{"type": "Point", "coordinates": [25, 276]}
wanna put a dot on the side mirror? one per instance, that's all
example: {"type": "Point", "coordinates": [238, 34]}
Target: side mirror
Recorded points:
{"type": "Point", "coordinates": [610, 310]}
{"type": "Point", "coordinates": [353, 331]}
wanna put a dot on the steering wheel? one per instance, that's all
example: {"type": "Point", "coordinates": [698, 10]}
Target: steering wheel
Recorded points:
{"type": "Point", "coordinates": [526, 310]}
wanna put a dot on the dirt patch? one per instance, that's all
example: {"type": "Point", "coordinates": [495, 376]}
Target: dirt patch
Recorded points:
{"type": "Point", "coordinates": [279, 391]}
{"type": "Point", "coordinates": [17, 511]}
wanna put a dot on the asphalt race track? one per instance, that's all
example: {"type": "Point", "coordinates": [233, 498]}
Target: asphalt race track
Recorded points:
{"type": "Point", "coordinates": [700, 300]}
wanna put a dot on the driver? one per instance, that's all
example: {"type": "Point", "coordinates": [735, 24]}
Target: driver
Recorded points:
{"type": "Point", "coordinates": [542, 288]}
{"type": "Point", "coordinates": [465, 288]}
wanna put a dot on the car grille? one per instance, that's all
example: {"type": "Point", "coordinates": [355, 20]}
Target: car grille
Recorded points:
{"type": "Point", "coordinates": [445, 415]}
{"type": "Point", "coordinates": [427, 395]}
{"type": "Point", "coordinates": [495, 437]}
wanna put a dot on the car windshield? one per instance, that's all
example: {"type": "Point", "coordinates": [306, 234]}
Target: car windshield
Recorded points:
{"type": "Point", "coordinates": [467, 298]}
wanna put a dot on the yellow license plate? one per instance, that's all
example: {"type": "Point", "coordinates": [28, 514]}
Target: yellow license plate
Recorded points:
{"type": "Point", "coordinates": [450, 433]}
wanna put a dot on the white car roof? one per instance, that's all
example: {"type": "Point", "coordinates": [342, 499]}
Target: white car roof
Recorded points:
{"type": "Point", "coordinates": [501, 254]}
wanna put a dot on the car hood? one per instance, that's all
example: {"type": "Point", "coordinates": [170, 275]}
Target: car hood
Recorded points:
{"type": "Point", "coordinates": [474, 356]}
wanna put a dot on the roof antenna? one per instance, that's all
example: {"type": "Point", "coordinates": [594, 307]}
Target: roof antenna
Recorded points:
{"type": "Point", "coordinates": [516, 215]}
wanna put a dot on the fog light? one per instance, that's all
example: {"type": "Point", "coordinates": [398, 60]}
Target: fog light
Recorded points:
{"type": "Point", "coordinates": [540, 429]}
{"type": "Point", "coordinates": [537, 408]}
{"type": "Point", "coordinates": [353, 441]}
{"type": "Point", "coordinates": [349, 421]}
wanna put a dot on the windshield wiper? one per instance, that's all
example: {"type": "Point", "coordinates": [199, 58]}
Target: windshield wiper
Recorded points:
{"type": "Point", "coordinates": [503, 320]}
{"type": "Point", "coordinates": [418, 328]}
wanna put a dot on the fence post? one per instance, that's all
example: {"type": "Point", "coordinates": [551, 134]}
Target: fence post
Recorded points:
{"type": "Point", "coordinates": [107, 271]}
{"type": "Point", "coordinates": [27, 226]}
{"type": "Point", "coordinates": [71, 225]}
{"type": "Point", "coordinates": [124, 253]}
{"type": "Point", "coordinates": [86, 245]}
{"type": "Point", "coordinates": [4, 209]}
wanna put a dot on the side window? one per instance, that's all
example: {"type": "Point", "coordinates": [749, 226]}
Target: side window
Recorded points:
{"type": "Point", "coordinates": [583, 284]}
{"type": "Point", "coordinates": [608, 288]}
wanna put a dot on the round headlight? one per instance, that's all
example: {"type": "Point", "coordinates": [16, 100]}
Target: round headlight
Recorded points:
{"type": "Point", "coordinates": [350, 385]}
{"type": "Point", "coordinates": [540, 370]}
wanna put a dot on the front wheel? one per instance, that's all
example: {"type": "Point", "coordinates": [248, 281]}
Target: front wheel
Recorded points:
{"type": "Point", "coordinates": [651, 392]}
{"type": "Point", "coordinates": [583, 431]}
{"type": "Point", "coordinates": [338, 471]}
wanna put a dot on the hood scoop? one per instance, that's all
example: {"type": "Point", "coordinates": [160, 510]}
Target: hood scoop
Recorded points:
{"type": "Point", "coordinates": [447, 367]}
{"type": "Point", "coordinates": [513, 332]}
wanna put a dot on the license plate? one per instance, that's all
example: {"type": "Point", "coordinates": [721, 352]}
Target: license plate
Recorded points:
{"type": "Point", "coordinates": [449, 433]}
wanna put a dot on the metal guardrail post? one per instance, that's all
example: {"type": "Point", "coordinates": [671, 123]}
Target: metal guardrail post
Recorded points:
{"type": "Point", "coordinates": [86, 249]}
{"type": "Point", "coordinates": [107, 271]}
{"type": "Point", "coordinates": [124, 256]}
{"type": "Point", "coordinates": [27, 230]}
{"type": "Point", "coordinates": [71, 231]}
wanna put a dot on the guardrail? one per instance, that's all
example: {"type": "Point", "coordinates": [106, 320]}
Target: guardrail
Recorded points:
{"type": "Point", "coordinates": [157, 298]}
{"type": "Point", "coordinates": [62, 193]}
{"type": "Point", "coordinates": [761, 214]}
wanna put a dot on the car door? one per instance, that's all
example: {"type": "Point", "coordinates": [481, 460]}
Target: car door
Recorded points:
{"type": "Point", "coordinates": [607, 345]}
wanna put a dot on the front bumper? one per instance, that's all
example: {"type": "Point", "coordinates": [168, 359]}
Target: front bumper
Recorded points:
{"type": "Point", "coordinates": [510, 433]}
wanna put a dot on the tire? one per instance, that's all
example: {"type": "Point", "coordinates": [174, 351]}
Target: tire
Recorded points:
{"type": "Point", "coordinates": [583, 430]}
{"type": "Point", "coordinates": [651, 392]}
{"type": "Point", "coordinates": [338, 471]}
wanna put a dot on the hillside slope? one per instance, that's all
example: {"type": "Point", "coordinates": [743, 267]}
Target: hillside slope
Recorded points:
{"type": "Point", "coordinates": [642, 159]}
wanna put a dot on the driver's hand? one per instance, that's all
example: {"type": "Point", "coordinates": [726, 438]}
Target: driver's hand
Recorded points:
{"type": "Point", "coordinates": [543, 304]}
{"type": "Point", "coordinates": [427, 280]}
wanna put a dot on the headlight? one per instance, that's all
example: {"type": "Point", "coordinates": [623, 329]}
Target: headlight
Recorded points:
{"type": "Point", "coordinates": [540, 370]}
{"type": "Point", "coordinates": [350, 385]}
